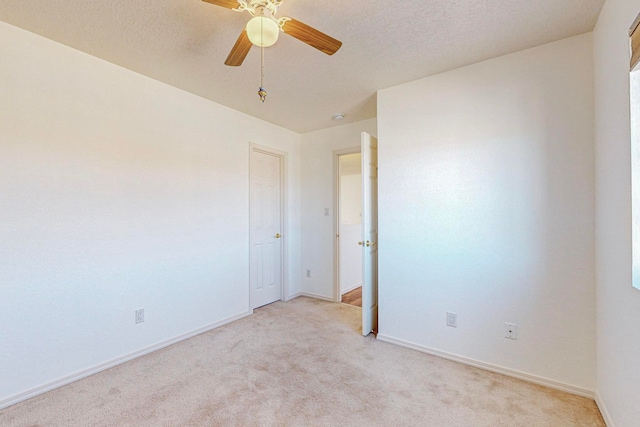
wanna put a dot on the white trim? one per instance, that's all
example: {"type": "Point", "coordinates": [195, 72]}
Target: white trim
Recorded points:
{"type": "Point", "coordinates": [490, 367]}
{"type": "Point", "coordinates": [315, 296]}
{"type": "Point", "coordinates": [290, 297]}
{"type": "Point", "coordinates": [284, 191]}
{"type": "Point", "coordinates": [294, 296]}
{"type": "Point", "coordinates": [603, 410]}
{"type": "Point", "coordinates": [356, 286]}
{"type": "Point", "coordinates": [337, 296]}
{"type": "Point", "coordinates": [114, 362]}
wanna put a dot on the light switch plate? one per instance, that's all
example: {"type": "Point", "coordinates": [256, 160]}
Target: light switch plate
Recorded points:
{"type": "Point", "coordinates": [452, 319]}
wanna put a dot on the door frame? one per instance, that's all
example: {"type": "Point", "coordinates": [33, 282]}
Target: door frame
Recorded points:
{"type": "Point", "coordinates": [336, 217]}
{"type": "Point", "coordinates": [284, 222]}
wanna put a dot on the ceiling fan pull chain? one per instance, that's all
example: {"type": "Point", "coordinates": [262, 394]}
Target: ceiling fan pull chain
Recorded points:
{"type": "Point", "coordinates": [262, 92]}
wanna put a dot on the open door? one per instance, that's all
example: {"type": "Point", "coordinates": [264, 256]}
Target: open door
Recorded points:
{"type": "Point", "coordinates": [369, 241]}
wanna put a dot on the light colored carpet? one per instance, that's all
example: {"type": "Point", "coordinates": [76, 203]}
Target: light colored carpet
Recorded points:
{"type": "Point", "coordinates": [300, 363]}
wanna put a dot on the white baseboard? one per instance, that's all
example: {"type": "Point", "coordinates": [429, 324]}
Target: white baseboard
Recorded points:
{"type": "Point", "coordinates": [603, 410]}
{"type": "Point", "coordinates": [294, 296]}
{"type": "Point", "coordinates": [4, 403]}
{"type": "Point", "coordinates": [310, 295]}
{"type": "Point", "coordinates": [351, 288]}
{"type": "Point", "coordinates": [490, 367]}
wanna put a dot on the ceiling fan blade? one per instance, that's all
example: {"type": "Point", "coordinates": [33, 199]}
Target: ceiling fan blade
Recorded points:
{"type": "Point", "coordinates": [239, 51]}
{"type": "Point", "coordinates": [230, 4]}
{"type": "Point", "coordinates": [311, 36]}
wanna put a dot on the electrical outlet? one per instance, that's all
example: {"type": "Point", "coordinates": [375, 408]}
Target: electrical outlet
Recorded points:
{"type": "Point", "coordinates": [511, 331]}
{"type": "Point", "coordinates": [308, 273]}
{"type": "Point", "coordinates": [140, 316]}
{"type": "Point", "coordinates": [326, 211]}
{"type": "Point", "coordinates": [452, 319]}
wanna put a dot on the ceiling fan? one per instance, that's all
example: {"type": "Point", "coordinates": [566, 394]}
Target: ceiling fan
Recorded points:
{"type": "Point", "coordinates": [262, 30]}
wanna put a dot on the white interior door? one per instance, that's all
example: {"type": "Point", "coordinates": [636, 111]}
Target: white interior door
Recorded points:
{"type": "Point", "coordinates": [369, 241]}
{"type": "Point", "coordinates": [266, 228]}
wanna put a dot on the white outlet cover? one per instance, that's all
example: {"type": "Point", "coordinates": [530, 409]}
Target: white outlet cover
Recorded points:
{"type": "Point", "coordinates": [511, 331]}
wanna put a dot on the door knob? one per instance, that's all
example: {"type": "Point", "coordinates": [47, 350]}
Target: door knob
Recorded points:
{"type": "Point", "coordinates": [277, 236]}
{"type": "Point", "coordinates": [370, 243]}
{"type": "Point", "coordinates": [360, 243]}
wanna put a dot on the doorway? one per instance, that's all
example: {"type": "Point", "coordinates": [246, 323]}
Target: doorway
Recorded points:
{"type": "Point", "coordinates": [350, 228]}
{"type": "Point", "coordinates": [364, 233]}
{"type": "Point", "coordinates": [266, 234]}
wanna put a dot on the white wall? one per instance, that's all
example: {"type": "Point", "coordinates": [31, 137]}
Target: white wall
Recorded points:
{"type": "Point", "coordinates": [618, 309]}
{"type": "Point", "coordinates": [318, 182]}
{"type": "Point", "coordinates": [117, 192]}
{"type": "Point", "coordinates": [350, 258]}
{"type": "Point", "coordinates": [486, 209]}
{"type": "Point", "coordinates": [351, 199]}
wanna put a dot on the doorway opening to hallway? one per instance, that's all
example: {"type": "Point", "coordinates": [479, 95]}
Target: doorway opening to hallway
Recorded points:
{"type": "Point", "coordinates": [356, 227]}
{"type": "Point", "coordinates": [350, 228]}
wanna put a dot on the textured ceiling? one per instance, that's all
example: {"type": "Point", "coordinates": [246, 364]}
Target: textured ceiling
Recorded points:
{"type": "Point", "coordinates": [184, 43]}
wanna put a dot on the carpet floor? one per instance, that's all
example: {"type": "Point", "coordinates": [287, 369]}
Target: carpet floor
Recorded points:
{"type": "Point", "coordinates": [300, 363]}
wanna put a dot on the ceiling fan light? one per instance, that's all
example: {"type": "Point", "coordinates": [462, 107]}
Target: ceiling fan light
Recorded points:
{"type": "Point", "coordinates": [262, 31]}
